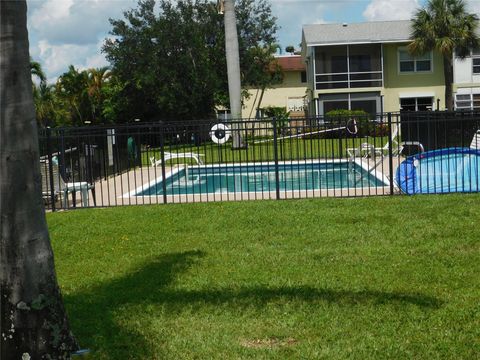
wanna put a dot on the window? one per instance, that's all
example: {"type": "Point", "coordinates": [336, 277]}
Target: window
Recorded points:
{"type": "Point", "coordinates": [463, 101]}
{"type": "Point", "coordinates": [303, 76]}
{"type": "Point", "coordinates": [334, 105]}
{"type": "Point", "coordinates": [369, 106]}
{"type": "Point", "coordinates": [409, 63]}
{"type": "Point", "coordinates": [476, 101]}
{"type": "Point", "coordinates": [476, 65]}
{"type": "Point", "coordinates": [368, 102]}
{"type": "Point", "coordinates": [416, 104]}
{"type": "Point", "coordinates": [467, 101]}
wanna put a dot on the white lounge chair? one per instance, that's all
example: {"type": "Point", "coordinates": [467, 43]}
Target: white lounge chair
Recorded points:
{"type": "Point", "coordinates": [475, 144]}
{"type": "Point", "coordinates": [367, 150]}
{"type": "Point", "coordinates": [173, 155]}
{"type": "Point", "coordinates": [62, 188]}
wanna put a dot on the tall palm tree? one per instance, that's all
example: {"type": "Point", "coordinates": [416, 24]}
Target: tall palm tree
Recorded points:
{"type": "Point", "coordinates": [447, 27]}
{"type": "Point", "coordinates": [33, 319]}
{"type": "Point", "coordinates": [233, 71]}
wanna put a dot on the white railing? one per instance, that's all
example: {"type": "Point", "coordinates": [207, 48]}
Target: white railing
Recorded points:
{"type": "Point", "coordinates": [348, 79]}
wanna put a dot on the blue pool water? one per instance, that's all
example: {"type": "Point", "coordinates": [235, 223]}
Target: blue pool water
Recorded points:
{"type": "Point", "coordinates": [261, 178]}
{"type": "Point", "coordinates": [440, 171]}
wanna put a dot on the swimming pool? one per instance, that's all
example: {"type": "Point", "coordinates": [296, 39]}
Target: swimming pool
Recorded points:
{"type": "Point", "coordinates": [235, 178]}
{"type": "Point", "coordinates": [440, 171]}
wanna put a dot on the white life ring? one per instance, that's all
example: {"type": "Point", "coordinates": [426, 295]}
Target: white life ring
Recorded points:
{"type": "Point", "coordinates": [220, 133]}
{"type": "Point", "coordinates": [353, 131]}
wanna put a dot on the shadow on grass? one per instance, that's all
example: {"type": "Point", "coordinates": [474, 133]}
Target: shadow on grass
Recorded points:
{"type": "Point", "coordinates": [99, 314]}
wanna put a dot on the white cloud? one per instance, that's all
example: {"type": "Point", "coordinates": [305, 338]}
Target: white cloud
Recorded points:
{"type": "Point", "coordinates": [390, 10]}
{"type": "Point", "coordinates": [474, 6]}
{"type": "Point", "coordinates": [56, 58]}
{"type": "Point", "coordinates": [75, 21]}
{"type": "Point", "coordinates": [292, 15]}
{"type": "Point", "coordinates": [403, 9]}
{"type": "Point", "coordinates": [71, 32]}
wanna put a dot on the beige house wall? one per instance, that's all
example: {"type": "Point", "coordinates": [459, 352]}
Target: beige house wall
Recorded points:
{"type": "Point", "coordinates": [291, 87]}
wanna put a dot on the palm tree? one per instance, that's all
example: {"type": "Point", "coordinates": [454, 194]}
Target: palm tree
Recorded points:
{"type": "Point", "coordinates": [47, 109]}
{"type": "Point", "coordinates": [72, 89]}
{"type": "Point", "coordinates": [37, 71]}
{"type": "Point", "coordinates": [96, 82]}
{"type": "Point", "coordinates": [96, 79]}
{"type": "Point", "coordinates": [233, 71]}
{"type": "Point", "coordinates": [447, 27]}
{"type": "Point", "coordinates": [33, 319]}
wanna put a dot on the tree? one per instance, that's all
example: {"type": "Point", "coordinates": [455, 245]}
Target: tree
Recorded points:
{"type": "Point", "coordinates": [233, 71]}
{"type": "Point", "coordinates": [72, 91]}
{"type": "Point", "coordinates": [96, 84]}
{"type": "Point", "coordinates": [37, 71]}
{"type": "Point", "coordinates": [264, 72]}
{"type": "Point", "coordinates": [171, 64]}
{"type": "Point", "coordinates": [290, 49]}
{"type": "Point", "coordinates": [444, 26]}
{"type": "Point", "coordinates": [48, 111]}
{"type": "Point", "coordinates": [33, 319]}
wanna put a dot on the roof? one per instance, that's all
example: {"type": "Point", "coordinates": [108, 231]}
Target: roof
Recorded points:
{"type": "Point", "coordinates": [291, 63]}
{"type": "Point", "coordinates": [367, 32]}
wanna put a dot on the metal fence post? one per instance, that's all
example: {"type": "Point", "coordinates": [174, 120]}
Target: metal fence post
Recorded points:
{"type": "Point", "coordinates": [162, 155]}
{"type": "Point", "coordinates": [275, 152]}
{"type": "Point", "coordinates": [50, 166]}
{"type": "Point", "coordinates": [390, 151]}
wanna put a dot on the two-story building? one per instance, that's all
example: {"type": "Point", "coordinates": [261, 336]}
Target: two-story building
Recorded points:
{"type": "Point", "coordinates": [366, 66]}
{"type": "Point", "coordinates": [466, 87]}
{"type": "Point", "coordinates": [290, 93]}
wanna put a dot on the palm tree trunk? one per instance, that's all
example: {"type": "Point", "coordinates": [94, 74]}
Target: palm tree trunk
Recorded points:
{"type": "Point", "coordinates": [233, 70]}
{"type": "Point", "coordinates": [33, 318]}
{"type": "Point", "coordinates": [448, 73]}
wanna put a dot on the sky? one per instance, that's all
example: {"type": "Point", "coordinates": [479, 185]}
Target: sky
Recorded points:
{"type": "Point", "coordinates": [65, 32]}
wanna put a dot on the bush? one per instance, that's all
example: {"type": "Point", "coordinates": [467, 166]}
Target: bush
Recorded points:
{"type": "Point", "coordinates": [281, 115]}
{"type": "Point", "coordinates": [365, 125]}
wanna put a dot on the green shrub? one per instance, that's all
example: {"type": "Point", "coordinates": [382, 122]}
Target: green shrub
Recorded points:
{"type": "Point", "coordinates": [281, 115]}
{"type": "Point", "coordinates": [365, 126]}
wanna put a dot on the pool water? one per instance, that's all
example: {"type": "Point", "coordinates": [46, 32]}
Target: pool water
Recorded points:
{"type": "Point", "coordinates": [262, 178]}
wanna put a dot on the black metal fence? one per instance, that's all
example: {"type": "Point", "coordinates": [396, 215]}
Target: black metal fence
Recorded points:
{"type": "Point", "coordinates": [179, 162]}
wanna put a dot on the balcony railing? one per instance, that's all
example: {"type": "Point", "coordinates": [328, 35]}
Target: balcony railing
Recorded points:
{"type": "Point", "coordinates": [348, 80]}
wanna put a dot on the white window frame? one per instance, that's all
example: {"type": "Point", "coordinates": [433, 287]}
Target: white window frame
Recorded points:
{"type": "Point", "coordinates": [414, 59]}
{"type": "Point", "coordinates": [475, 57]}
{"type": "Point", "coordinates": [470, 100]}
{"type": "Point", "coordinates": [416, 101]}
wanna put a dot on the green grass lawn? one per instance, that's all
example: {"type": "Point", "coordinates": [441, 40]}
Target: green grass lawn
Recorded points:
{"type": "Point", "coordinates": [288, 149]}
{"type": "Point", "coordinates": [385, 277]}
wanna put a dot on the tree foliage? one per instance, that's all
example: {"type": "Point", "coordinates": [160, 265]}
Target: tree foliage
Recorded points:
{"type": "Point", "coordinates": [77, 97]}
{"type": "Point", "coordinates": [171, 60]}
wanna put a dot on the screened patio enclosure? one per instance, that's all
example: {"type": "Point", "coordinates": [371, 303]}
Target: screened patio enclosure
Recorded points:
{"type": "Point", "coordinates": [348, 66]}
